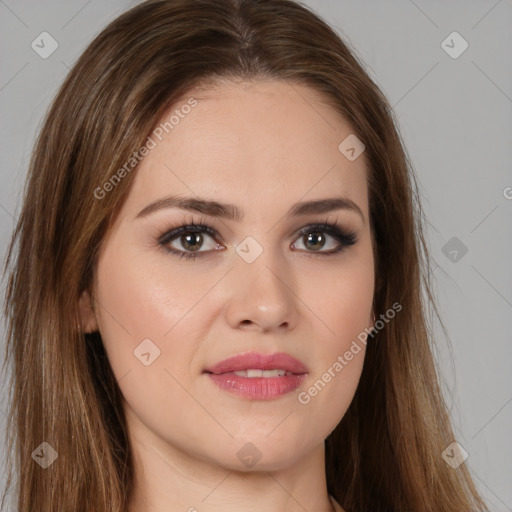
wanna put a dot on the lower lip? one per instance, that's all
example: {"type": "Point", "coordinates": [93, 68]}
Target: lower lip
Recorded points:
{"type": "Point", "coordinates": [258, 388]}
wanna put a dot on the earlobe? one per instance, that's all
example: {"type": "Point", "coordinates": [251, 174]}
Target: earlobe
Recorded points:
{"type": "Point", "coordinates": [88, 322]}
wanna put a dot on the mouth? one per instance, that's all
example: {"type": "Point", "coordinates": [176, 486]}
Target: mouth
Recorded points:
{"type": "Point", "coordinates": [258, 376]}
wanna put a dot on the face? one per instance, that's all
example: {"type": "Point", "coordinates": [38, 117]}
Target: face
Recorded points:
{"type": "Point", "coordinates": [256, 278]}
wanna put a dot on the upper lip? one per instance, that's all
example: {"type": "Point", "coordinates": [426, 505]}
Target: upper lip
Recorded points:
{"type": "Point", "coordinates": [253, 360]}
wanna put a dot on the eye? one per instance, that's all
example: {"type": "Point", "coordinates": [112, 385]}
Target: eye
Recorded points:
{"type": "Point", "coordinates": [188, 241]}
{"type": "Point", "coordinates": [314, 240]}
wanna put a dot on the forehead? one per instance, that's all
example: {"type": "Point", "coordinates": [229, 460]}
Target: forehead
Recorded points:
{"type": "Point", "coordinates": [268, 143]}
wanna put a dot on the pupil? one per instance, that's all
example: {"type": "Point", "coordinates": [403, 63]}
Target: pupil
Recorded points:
{"type": "Point", "coordinates": [194, 238]}
{"type": "Point", "coordinates": [315, 238]}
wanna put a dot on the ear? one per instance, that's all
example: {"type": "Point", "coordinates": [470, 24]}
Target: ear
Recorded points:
{"type": "Point", "coordinates": [88, 321]}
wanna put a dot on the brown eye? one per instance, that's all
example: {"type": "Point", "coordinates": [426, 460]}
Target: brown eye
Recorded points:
{"type": "Point", "coordinates": [192, 241]}
{"type": "Point", "coordinates": [189, 241]}
{"type": "Point", "coordinates": [325, 239]}
{"type": "Point", "coordinates": [314, 241]}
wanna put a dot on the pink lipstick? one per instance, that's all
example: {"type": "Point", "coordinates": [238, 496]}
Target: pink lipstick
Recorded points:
{"type": "Point", "coordinates": [258, 376]}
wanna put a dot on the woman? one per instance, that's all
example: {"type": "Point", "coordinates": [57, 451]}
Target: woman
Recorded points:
{"type": "Point", "coordinates": [215, 300]}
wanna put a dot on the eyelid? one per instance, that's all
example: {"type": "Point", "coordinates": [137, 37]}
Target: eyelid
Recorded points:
{"type": "Point", "coordinates": [198, 227]}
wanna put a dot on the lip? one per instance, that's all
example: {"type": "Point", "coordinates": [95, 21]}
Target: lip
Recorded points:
{"type": "Point", "coordinates": [255, 360]}
{"type": "Point", "coordinates": [258, 388]}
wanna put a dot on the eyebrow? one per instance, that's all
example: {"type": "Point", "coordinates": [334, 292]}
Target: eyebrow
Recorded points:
{"type": "Point", "coordinates": [232, 212]}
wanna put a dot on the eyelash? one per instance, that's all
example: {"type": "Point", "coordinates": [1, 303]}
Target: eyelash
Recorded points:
{"type": "Point", "coordinates": [345, 238]}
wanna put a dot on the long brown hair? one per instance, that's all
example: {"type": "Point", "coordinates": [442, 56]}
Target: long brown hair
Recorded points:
{"type": "Point", "coordinates": [385, 454]}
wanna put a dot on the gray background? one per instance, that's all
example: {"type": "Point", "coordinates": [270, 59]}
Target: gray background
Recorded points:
{"type": "Point", "coordinates": [455, 115]}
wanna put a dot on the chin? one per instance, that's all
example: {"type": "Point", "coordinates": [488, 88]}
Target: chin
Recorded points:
{"type": "Point", "coordinates": [254, 453]}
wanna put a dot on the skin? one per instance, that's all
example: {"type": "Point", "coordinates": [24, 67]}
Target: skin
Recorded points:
{"type": "Point", "coordinates": [262, 146]}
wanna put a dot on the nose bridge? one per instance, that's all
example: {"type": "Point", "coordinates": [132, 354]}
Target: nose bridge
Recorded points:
{"type": "Point", "coordinates": [261, 264]}
{"type": "Point", "coordinates": [260, 288]}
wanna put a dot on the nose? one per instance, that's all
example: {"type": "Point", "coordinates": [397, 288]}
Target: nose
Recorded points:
{"type": "Point", "coordinates": [261, 295]}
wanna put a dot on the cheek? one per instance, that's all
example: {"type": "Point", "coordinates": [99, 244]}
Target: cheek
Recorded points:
{"type": "Point", "coordinates": [340, 295]}
{"type": "Point", "coordinates": [343, 308]}
{"type": "Point", "coordinates": [140, 300]}
{"type": "Point", "coordinates": [145, 309]}
{"type": "Point", "coordinates": [148, 290]}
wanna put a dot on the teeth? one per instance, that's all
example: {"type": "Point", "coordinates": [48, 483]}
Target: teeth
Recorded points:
{"type": "Point", "coordinates": [260, 373]}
